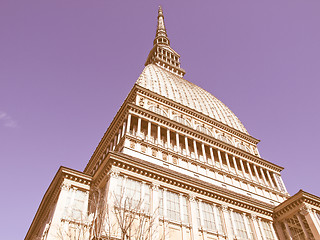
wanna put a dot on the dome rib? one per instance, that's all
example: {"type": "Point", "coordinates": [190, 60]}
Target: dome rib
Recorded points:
{"type": "Point", "coordinates": [176, 88]}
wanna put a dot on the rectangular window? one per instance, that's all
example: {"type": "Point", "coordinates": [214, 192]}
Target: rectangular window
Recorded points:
{"type": "Point", "coordinates": [240, 225]}
{"type": "Point", "coordinates": [267, 230]}
{"type": "Point", "coordinates": [173, 206]}
{"type": "Point", "coordinates": [208, 217]}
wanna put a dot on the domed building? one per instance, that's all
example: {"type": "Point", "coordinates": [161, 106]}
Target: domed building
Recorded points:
{"type": "Point", "coordinates": [175, 163]}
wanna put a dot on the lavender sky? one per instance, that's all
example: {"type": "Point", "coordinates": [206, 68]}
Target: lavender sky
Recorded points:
{"type": "Point", "coordinates": [67, 66]}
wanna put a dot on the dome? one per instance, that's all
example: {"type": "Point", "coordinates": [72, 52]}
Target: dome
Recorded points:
{"type": "Point", "coordinates": [174, 87]}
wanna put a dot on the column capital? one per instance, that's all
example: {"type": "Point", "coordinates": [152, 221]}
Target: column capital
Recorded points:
{"type": "Point", "coordinates": [155, 186]}
{"type": "Point", "coordinates": [192, 198]}
{"type": "Point", "coordinates": [304, 210]}
{"type": "Point", "coordinates": [224, 208]}
{"type": "Point", "coordinates": [113, 174]}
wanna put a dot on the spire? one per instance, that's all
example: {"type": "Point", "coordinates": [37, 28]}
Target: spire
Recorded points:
{"type": "Point", "coordinates": [162, 54]}
{"type": "Point", "coordinates": [161, 34]}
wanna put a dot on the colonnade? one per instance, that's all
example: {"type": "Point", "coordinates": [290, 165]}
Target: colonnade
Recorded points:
{"type": "Point", "coordinates": [188, 147]}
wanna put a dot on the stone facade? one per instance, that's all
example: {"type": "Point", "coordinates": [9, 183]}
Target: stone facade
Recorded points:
{"type": "Point", "coordinates": [186, 163]}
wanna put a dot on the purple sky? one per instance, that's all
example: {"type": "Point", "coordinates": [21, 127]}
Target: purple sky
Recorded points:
{"type": "Point", "coordinates": [67, 66]}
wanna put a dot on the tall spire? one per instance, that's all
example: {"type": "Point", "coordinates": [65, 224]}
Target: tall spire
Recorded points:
{"type": "Point", "coordinates": [161, 34]}
{"type": "Point", "coordinates": [162, 54]}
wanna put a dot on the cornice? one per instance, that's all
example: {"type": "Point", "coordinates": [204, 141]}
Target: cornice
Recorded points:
{"type": "Point", "coordinates": [211, 140]}
{"type": "Point", "coordinates": [169, 176]}
{"type": "Point", "coordinates": [196, 114]}
{"type": "Point", "coordinates": [110, 130]}
{"type": "Point", "coordinates": [52, 194]}
{"type": "Point", "coordinates": [296, 201]}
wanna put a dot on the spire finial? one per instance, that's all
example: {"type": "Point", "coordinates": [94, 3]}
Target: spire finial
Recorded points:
{"type": "Point", "coordinates": [162, 54]}
{"type": "Point", "coordinates": [161, 34]}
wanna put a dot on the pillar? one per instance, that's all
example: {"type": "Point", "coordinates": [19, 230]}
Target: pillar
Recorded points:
{"type": "Point", "coordinates": [177, 142]}
{"type": "Point", "coordinates": [263, 177]}
{"type": "Point", "coordinates": [155, 210]}
{"type": "Point", "coordinates": [256, 172]}
{"type": "Point", "coordinates": [129, 122]}
{"type": "Point", "coordinates": [235, 164]}
{"type": "Point", "coordinates": [311, 220]}
{"type": "Point", "coordinates": [212, 156]}
{"type": "Point", "coordinates": [187, 145]}
{"type": "Point", "coordinates": [194, 221]}
{"type": "Point", "coordinates": [225, 217]}
{"type": "Point", "coordinates": [256, 230]}
{"type": "Point", "coordinates": [228, 163]}
{"type": "Point", "coordinates": [139, 127]}
{"type": "Point", "coordinates": [276, 180]}
{"type": "Point", "coordinates": [268, 174]}
{"type": "Point", "coordinates": [289, 234]}
{"type": "Point", "coordinates": [246, 225]}
{"type": "Point", "coordinates": [302, 226]}
{"type": "Point", "coordinates": [123, 128]}
{"type": "Point", "coordinates": [149, 130]}
{"type": "Point", "coordinates": [159, 134]}
{"type": "Point", "coordinates": [261, 228]}
{"type": "Point", "coordinates": [242, 167]}
{"type": "Point", "coordinates": [220, 159]}
{"type": "Point", "coordinates": [195, 149]}
{"type": "Point", "coordinates": [249, 169]}
{"type": "Point", "coordinates": [168, 138]}
{"type": "Point", "coordinates": [204, 152]}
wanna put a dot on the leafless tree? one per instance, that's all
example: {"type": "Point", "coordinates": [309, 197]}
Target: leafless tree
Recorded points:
{"type": "Point", "coordinates": [117, 216]}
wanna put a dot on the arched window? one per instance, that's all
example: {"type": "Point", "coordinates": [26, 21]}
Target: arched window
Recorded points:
{"type": "Point", "coordinates": [224, 139]}
{"type": "Point", "coordinates": [182, 120]}
{"type": "Point", "coordinates": [204, 130]}
{"type": "Point", "coordinates": [159, 111]}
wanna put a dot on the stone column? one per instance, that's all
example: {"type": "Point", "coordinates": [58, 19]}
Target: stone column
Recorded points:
{"type": "Point", "coordinates": [261, 228]}
{"type": "Point", "coordinates": [289, 234]}
{"type": "Point", "coordinates": [194, 221]}
{"type": "Point", "coordinates": [256, 230]}
{"type": "Point", "coordinates": [129, 122]}
{"type": "Point", "coordinates": [177, 142]}
{"type": "Point", "coordinates": [235, 231]}
{"type": "Point", "coordinates": [195, 149]}
{"type": "Point", "coordinates": [139, 127]}
{"type": "Point", "coordinates": [212, 156]}
{"type": "Point", "coordinates": [311, 220]}
{"type": "Point", "coordinates": [119, 136]}
{"type": "Point", "coordinates": [242, 167]}
{"type": "Point", "coordinates": [204, 152]}
{"type": "Point", "coordinates": [276, 180]}
{"type": "Point", "coordinates": [216, 220]}
{"type": "Point", "coordinates": [264, 177]}
{"type": "Point", "coordinates": [270, 179]}
{"type": "Point", "coordinates": [246, 224]}
{"type": "Point", "coordinates": [228, 163]}
{"type": "Point", "coordinates": [164, 203]}
{"type": "Point", "coordinates": [220, 159]}
{"type": "Point", "coordinates": [273, 232]}
{"type": "Point", "coordinates": [159, 134]}
{"type": "Point", "coordinates": [302, 226]}
{"type": "Point", "coordinates": [256, 172]}
{"type": "Point", "coordinates": [123, 129]}
{"type": "Point", "coordinates": [279, 229]}
{"type": "Point", "coordinates": [149, 131]}
{"type": "Point", "coordinates": [249, 169]}
{"type": "Point", "coordinates": [168, 138]}
{"type": "Point", "coordinates": [187, 145]}
{"type": "Point", "coordinates": [235, 164]}
{"type": "Point", "coordinates": [226, 221]}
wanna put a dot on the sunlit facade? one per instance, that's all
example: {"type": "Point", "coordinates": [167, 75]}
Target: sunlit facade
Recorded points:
{"type": "Point", "coordinates": [189, 158]}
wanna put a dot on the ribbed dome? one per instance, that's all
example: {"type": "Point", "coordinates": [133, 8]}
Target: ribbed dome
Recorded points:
{"type": "Point", "coordinates": [174, 87]}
